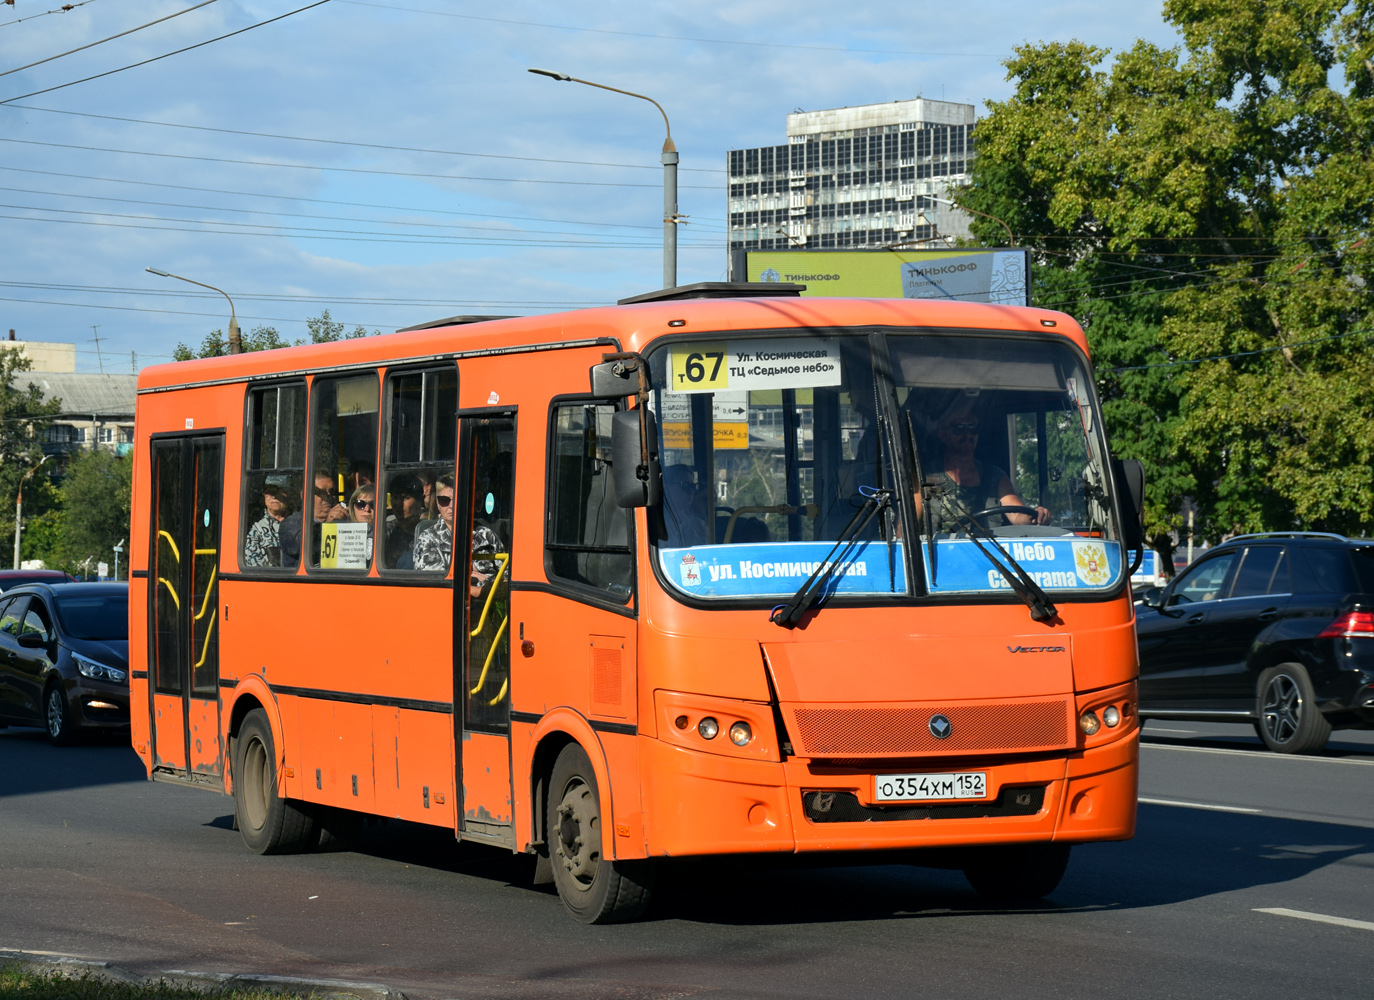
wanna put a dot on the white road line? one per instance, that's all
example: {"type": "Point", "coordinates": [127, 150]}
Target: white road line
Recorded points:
{"type": "Point", "coordinates": [1161, 729]}
{"type": "Point", "coordinates": [1321, 918]}
{"type": "Point", "coordinates": [1195, 805]}
{"type": "Point", "coordinates": [1260, 754]}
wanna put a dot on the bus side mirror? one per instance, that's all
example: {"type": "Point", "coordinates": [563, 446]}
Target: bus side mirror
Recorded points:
{"type": "Point", "coordinates": [1129, 475]}
{"type": "Point", "coordinates": [636, 484]}
{"type": "Point", "coordinates": [614, 380]}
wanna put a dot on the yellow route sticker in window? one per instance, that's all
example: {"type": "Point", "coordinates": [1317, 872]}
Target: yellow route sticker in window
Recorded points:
{"type": "Point", "coordinates": [699, 368]}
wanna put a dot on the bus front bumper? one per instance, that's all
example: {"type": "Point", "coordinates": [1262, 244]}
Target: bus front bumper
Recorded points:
{"type": "Point", "coordinates": [704, 804]}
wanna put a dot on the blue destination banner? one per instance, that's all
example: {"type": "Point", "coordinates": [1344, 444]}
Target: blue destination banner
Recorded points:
{"type": "Point", "coordinates": [1053, 563]}
{"type": "Point", "coordinates": [777, 569]}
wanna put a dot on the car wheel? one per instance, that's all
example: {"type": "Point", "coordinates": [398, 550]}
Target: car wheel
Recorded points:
{"type": "Point", "coordinates": [594, 889]}
{"type": "Point", "coordinates": [268, 823]}
{"type": "Point", "coordinates": [57, 715]}
{"type": "Point", "coordinates": [1017, 873]}
{"type": "Point", "coordinates": [1286, 707]}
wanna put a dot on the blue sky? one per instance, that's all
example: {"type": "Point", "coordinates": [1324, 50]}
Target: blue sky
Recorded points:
{"type": "Point", "coordinates": [562, 208]}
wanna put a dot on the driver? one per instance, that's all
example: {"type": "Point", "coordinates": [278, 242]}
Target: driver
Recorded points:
{"type": "Point", "coordinates": [970, 485]}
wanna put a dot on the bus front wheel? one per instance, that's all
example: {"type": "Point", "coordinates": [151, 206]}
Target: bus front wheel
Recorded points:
{"type": "Point", "coordinates": [268, 823]}
{"type": "Point", "coordinates": [1017, 873]}
{"type": "Point", "coordinates": [594, 889]}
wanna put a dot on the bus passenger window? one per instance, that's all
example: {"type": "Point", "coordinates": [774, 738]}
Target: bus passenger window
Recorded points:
{"type": "Point", "coordinates": [343, 432]}
{"type": "Point", "coordinates": [273, 480]}
{"type": "Point", "coordinates": [588, 535]}
{"type": "Point", "coordinates": [417, 490]}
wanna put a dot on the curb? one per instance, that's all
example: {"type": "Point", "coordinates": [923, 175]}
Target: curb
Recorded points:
{"type": "Point", "coordinates": [46, 962]}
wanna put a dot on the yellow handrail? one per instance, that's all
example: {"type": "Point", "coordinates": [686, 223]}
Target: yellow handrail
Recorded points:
{"type": "Point", "coordinates": [207, 552]}
{"type": "Point", "coordinates": [209, 590]}
{"type": "Point", "coordinates": [496, 640]}
{"type": "Point", "coordinates": [205, 646]}
{"type": "Point", "coordinates": [504, 559]}
{"type": "Point", "coordinates": [500, 694]}
{"type": "Point", "coordinates": [173, 543]}
{"type": "Point", "coordinates": [171, 590]}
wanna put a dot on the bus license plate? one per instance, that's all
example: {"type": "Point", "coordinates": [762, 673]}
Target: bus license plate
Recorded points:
{"type": "Point", "coordinates": [908, 787]}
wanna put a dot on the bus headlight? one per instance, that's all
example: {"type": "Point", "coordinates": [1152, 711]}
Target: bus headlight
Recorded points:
{"type": "Point", "coordinates": [741, 734]}
{"type": "Point", "coordinates": [1089, 723]}
{"type": "Point", "coordinates": [708, 728]}
{"type": "Point", "coordinates": [1111, 716]}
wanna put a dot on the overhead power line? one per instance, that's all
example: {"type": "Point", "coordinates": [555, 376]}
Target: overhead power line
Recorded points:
{"type": "Point", "coordinates": [696, 221]}
{"type": "Point", "coordinates": [165, 55]}
{"type": "Point", "coordinates": [364, 145]}
{"type": "Point", "coordinates": [58, 10]}
{"type": "Point", "coordinates": [681, 38]}
{"type": "Point", "coordinates": [91, 45]}
{"type": "Point", "coordinates": [345, 170]}
{"type": "Point", "coordinates": [1240, 354]}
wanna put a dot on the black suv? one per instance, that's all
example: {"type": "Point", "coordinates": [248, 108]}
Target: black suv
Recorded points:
{"type": "Point", "coordinates": [1276, 629]}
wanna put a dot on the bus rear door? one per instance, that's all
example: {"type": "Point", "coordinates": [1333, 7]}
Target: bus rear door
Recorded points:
{"type": "Point", "coordinates": [187, 485]}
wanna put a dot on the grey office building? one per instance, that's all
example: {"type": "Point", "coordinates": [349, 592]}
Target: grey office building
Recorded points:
{"type": "Point", "coordinates": [864, 177]}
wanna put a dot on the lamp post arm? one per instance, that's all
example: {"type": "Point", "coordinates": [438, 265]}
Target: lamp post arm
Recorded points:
{"type": "Point", "coordinates": [668, 145]}
{"type": "Point", "coordinates": [1011, 237]}
{"type": "Point", "coordinates": [235, 341]}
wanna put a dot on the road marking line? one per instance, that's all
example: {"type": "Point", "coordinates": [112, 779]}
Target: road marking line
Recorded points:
{"type": "Point", "coordinates": [1321, 918]}
{"type": "Point", "coordinates": [1259, 754]}
{"type": "Point", "coordinates": [1196, 805]}
{"type": "Point", "coordinates": [1161, 729]}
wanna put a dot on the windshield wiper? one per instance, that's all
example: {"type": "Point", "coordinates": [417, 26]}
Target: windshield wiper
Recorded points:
{"type": "Point", "coordinates": [1042, 609]}
{"type": "Point", "coordinates": [789, 614]}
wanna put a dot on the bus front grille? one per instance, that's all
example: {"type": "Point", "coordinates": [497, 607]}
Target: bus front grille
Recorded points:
{"type": "Point", "coordinates": [986, 727]}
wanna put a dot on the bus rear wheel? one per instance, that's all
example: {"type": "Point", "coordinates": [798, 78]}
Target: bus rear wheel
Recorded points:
{"type": "Point", "coordinates": [1017, 873]}
{"type": "Point", "coordinates": [594, 889]}
{"type": "Point", "coordinates": [268, 823]}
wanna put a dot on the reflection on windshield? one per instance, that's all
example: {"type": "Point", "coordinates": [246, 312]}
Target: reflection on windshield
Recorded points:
{"type": "Point", "coordinates": [94, 616]}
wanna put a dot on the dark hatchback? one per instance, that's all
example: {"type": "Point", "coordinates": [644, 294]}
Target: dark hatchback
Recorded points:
{"type": "Point", "coordinates": [64, 658]}
{"type": "Point", "coordinates": [1274, 629]}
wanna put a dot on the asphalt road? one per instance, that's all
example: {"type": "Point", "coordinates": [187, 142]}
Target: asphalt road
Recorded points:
{"type": "Point", "coordinates": [1239, 856]}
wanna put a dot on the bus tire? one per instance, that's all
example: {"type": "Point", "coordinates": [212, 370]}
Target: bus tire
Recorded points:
{"type": "Point", "coordinates": [1287, 717]}
{"type": "Point", "coordinates": [1017, 873]}
{"type": "Point", "coordinates": [268, 823]}
{"type": "Point", "coordinates": [594, 889]}
{"type": "Point", "coordinates": [336, 829]}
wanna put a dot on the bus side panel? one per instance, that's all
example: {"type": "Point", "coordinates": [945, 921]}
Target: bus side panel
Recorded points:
{"type": "Point", "coordinates": [426, 764]}
{"type": "Point", "coordinates": [1105, 656]}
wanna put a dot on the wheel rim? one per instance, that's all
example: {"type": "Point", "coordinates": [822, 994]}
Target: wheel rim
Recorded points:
{"type": "Point", "coordinates": [1282, 708]}
{"type": "Point", "coordinates": [256, 783]}
{"type": "Point", "coordinates": [57, 708]}
{"type": "Point", "coordinates": [577, 836]}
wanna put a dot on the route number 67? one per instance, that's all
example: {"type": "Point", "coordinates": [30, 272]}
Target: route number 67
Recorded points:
{"type": "Point", "coordinates": [699, 368]}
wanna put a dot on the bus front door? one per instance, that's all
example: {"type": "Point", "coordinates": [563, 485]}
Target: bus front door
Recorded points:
{"type": "Point", "coordinates": [187, 484]}
{"type": "Point", "coordinates": [482, 587]}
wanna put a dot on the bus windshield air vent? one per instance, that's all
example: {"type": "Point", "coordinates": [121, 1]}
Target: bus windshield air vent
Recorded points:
{"type": "Point", "coordinates": [719, 290]}
{"type": "Point", "coordinates": [450, 321]}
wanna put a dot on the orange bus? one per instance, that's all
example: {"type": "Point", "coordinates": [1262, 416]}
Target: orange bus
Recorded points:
{"type": "Point", "coordinates": [737, 573]}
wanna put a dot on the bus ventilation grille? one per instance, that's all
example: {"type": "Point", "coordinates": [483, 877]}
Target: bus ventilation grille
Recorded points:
{"type": "Point", "coordinates": [845, 807]}
{"type": "Point", "coordinates": [871, 732]}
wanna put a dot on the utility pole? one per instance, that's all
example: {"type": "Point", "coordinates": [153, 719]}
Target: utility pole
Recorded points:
{"type": "Point", "coordinates": [19, 508]}
{"type": "Point", "coordinates": [100, 361]}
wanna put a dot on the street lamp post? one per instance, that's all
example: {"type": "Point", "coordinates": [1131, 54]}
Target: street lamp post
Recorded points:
{"type": "Point", "coordinates": [669, 160]}
{"type": "Point", "coordinates": [19, 508]}
{"type": "Point", "coordinates": [1011, 238]}
{"type": "Point", "coordinates": [235, 341]}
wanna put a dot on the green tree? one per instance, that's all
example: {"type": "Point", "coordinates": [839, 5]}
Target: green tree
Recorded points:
{"type": "Point", "coordinates": [1203, 201]}
{"type": "Point", "coordinates": [323, 329]}
{"type": "Point", "coordinates": [96, 497]}
{"type": "Point", "coordinates": [24, 419]}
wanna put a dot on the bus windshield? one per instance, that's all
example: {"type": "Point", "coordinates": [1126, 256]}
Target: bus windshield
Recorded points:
{"type": "Point", "coordinates": [984, 448]}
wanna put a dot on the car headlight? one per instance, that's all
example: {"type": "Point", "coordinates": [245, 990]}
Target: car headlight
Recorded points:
{"type": "Point", "coordinates": [98, 671]}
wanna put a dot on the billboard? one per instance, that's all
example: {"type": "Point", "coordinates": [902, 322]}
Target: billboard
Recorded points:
{"type": "Point", "coordinates": [965, 274]}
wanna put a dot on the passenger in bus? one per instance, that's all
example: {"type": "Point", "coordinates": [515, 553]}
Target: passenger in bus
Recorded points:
{"type": "Point", "coordinates": [325, 508]}
{"type": "Point", "coordinates": [969, 484]}
{"type": "Point", "coordinates": [427, 479]}
{"type": "Point", "coordinates": [360, 473]}
{"type": "Point", "coordinates": [262, 543]}
{"type": "Point", "coordinates": [684, 507]}
{"type": "Point", "coordinates": [434, 539]}
{"type": "Point", "coordinates": [360, 509]}
{"type": "Point", "coordinates": [407, 504]}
